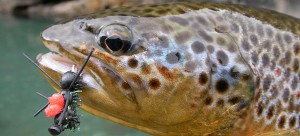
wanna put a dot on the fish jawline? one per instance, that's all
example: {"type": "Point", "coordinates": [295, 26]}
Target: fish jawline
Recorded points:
{"type": "Point", "coordinates": [60, 64]}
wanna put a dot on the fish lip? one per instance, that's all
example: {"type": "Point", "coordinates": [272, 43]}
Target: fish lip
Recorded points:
{"type": "Point", "coordinates": [60, 57]}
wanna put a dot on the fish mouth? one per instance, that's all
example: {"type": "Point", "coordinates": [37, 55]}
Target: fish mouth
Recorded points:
{"type": "Point", "coordinates": [59, 61]}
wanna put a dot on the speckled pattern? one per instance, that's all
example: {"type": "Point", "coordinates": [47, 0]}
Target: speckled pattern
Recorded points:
{"type": "Point", "coordinates": [191, 69]}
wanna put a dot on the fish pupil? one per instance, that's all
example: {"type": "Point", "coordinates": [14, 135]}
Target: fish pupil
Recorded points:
{"type": "Point", "coordinates": [114, 44]}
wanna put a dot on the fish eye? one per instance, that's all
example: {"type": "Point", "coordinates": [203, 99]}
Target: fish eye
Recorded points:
{"type": "Point", "coordinates": [115, 39]}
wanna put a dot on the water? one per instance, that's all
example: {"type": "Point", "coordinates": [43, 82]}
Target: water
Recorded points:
{"type": "Point", "coordinates": [19, 80]}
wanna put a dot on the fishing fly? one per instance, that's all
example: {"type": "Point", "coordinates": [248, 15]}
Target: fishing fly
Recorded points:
{"type": "Point", "coordinates": [63, 106]}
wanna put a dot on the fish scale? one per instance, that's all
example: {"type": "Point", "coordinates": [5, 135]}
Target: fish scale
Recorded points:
{"type": "Point", "coordinates": [191, 69]}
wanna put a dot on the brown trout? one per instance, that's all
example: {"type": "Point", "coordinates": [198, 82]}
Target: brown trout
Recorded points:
{"type": "Point", "coordinates": [185, 68]}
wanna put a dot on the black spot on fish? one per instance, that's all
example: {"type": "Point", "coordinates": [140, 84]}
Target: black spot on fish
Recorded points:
{"type": "Point", "coordinates": [272, 65]}
{"type": "Point", "coordinates": [257, 82]}
{"type": "Point", "coordinates": [281, 122]}
{"type": "Point", "coordinates": [197, 47]}
{"type": "Point", "coordinates": [279, 39]}
{"type": "Point", "coordinates": [266, 44]}
{"type": "Point", "coordinates": [206, 37]}
{"type": "Point", "coordinates": [208, 100]}
{"type": "Point", "coordinates": [234, 100]}
{"type": "Point", "coordinates": [276, 52]}
{"type": "Point", "coordinates": [292, 122]}
{"type": "Point", "coordinates": [296, 65]}
{"type": "Point", "coordinates": [270, 112]}
{"type": "Point", "coordinates": [245, 45]}
{"type": "Point", "coordinates": [259, 109]}
{"type": "Point", "coordinates": [173, 57]}
{"type": "Point", "coordinates": [234, 27]}
{"type": "Point", "coordinates": [266, 83]}
{"type": "Point", "coordinates": [220, 103]}
{"type": "Point", "coordinates": [297, 48]}
{"type": "Point", "coordinates": [210, 49]}
{"type": "Point", "coordinates": [291, 107]}
{"type": "Point", "coordinates": [133, 63]}
{"type": "Point", "coordinates": [287, 72]}
{"type": "Point", "coordinates": [254, 58]}
{"type": "Point", "coordinates": [274, 92]}
{"type": "Point", "coordinates": [254, 39]}
{"type": "Point", "coordinates": [222, 86]}
{"type": "Point", "coordinates": [287, 57]}
{"type": "Point", "coordinates": [203, 78]}
{"type": "Point", "coordinates": [163, 41]}
{"type": "Point", "coordinates": [286, 94]}
{"type": "Point", "coordinates": [221, 41]}
{"type": "Point", "coordinates": [222, 58]}
{"type": "Point", "coordinates": [265, 60]}
{"type": "Point", "coordinates": [182, 37]}
{"type": "Point", "coordinates": [126, 86]}
{"type": "Point", "coordinates": [201, 20]}
{"type": "Point", "coordinates": [287, 38]}
{"type": "Point", "coordinates": [154, 83]}
{"type": "Point", "coordinates": [232, 48]}
{"type": "Point", "coordinates": [294, 83]}
{"type": "Point", "coordinates": [190, 66]}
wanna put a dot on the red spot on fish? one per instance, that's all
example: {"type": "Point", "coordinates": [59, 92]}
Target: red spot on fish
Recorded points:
{"type": "Point", "coordinates": [297, 94]}
{"type": "Point", "coordinates": [165, 72]}
{"type": "Point", "coordinates": [56, 104]}
{"type": "Point", "coordinates": [277, 72]}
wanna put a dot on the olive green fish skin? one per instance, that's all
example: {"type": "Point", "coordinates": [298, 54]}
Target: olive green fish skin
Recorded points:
{"type": "Point", "coordinates": [188, 68]}
{"type": "Point", "coordinates": [280, 21]}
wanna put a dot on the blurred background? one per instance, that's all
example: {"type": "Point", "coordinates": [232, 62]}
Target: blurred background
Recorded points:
{"type": "Point", "coordinates": [60, 9]}
{"type": "Point", "coordinates": [21, 22]}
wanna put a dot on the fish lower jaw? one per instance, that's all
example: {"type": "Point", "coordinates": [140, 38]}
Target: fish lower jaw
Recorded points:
{"type": "Point", "coordinates": [57, 64]}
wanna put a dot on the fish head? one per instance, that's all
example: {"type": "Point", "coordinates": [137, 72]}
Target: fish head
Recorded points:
{"type": "Point", "coordinates": [142, 75]}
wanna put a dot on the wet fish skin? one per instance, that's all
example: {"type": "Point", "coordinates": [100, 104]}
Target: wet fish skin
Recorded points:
{"type": "Point", "coordinates": [191, 69]}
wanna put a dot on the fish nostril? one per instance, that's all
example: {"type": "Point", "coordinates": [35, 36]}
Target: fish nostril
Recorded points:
{"type": "Point", "coordinates": [83, 26]}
